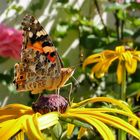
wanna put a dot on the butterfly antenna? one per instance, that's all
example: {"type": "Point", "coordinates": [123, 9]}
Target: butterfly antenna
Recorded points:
{"type": "Point", "coordinates": [76, 65]}
{"type": "Point", "coordinates": [76, 81]}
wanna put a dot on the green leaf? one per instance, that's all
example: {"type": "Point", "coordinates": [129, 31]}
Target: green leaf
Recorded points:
{"type": "Point", "coordinates": [16, 8]}
{"type": "Point", "coordinates": [133, 89]}
{"type": "Point", "coordinates": [135, 5]}
{"type": "Point", "coordinates": [121, 14]}
{"type": "Point", "coordinates": [38, 5]}
{"type": "Point", "coordinates": [57, 130]}
{"type": "Point", "coordinates": [136, 21]}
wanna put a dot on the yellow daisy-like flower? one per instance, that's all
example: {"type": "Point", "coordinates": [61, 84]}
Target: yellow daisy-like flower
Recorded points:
{"type": "Point", "coordinates": [16, 120]}
{"type": "Point", "coordinates": [127, 60]}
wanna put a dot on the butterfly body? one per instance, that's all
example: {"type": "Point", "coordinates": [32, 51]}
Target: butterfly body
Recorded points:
{"type": "Point", "coordinates": [40, 67]}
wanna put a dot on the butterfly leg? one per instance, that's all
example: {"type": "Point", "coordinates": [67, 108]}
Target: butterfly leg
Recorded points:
{"type": "Point", "coordinates": [57, 91]}
{"type": "Point", "coordinates": [38, 97]}
{"type": "Point", "coordinates": [70, 91]}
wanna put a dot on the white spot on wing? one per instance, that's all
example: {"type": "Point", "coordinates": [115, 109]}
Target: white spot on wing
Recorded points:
{"type": "Point", "coordinates": [42, 32]}
{"type": "Point", "coordinates": [42, 58]}
{"type": "Point", "coordinates": [30, 34]}
{"type": "Point", "coordinates": [38, 34]}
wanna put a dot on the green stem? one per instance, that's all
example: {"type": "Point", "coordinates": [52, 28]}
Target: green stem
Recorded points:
{"type": "Point", "coordinates": [123, 86]}
{"type": "Point", "coordinates": [121, 133]}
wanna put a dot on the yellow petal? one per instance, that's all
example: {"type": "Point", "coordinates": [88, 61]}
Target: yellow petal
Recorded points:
{"type": "Point", "coordinates": [97, 70]}
{"type": "Point", "coordinates": [120, 69]}
{"type": "Point", "coordinates": [7, 117]}
{"type": "Point", "coordinates": [132, 121]}
{"type": "Point", "coordinates": [13, 111]}
{"type": "Point", "coordinates": [137, 57]}
{"type": "Point", "coordinates": [104, 110]}
{"type": "Point", "coordinates": [48, 120]}
{"type": "Point", "coordinates": [99, 74]}
{"type": "Point", "coordinates": [81, 132]}
{"type": "Point", "coordinates": [108, 53]}
{"type": "Point", "coordinates": [107, 119]}
{"type": "Point", "coordinates": [117, 122]}
{"type": "Point", "coordinates": [91, 59]}
{"type": "Point", "coordinates": [97, 67]}
{"type": "Point", "coordinates": [107, 63]}
{"type": "Point", "coordinates": [9, 128]}
{"type": "Point", "coordinates": [135, 52]}
{"type": "Point", "coordinates": [101, 127]}
{"type": "Point", "coordinates": [70, 128]}
{"type": "Point", "coordinates": [20, 136]}
{"type": "Point", "coordinates": [16, 107]}
{"type": "Point", "coordinates": [120, 49]}
{"type": "Point", "coordinates": [31, 128]}
{"type": "Point", "coordinates": [127, 56]}
{"type": "Point", "coordinates": [131, 67]}
{"type": "Point", "coordinates": [119, 103]}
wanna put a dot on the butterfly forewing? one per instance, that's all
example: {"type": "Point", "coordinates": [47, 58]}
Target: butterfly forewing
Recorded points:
{"type": "Point", "coordinates": [38, 50]}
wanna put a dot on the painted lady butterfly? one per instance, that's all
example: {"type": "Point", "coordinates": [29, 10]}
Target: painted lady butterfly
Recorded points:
{"type": "Point", "coordinates": [40, 67]}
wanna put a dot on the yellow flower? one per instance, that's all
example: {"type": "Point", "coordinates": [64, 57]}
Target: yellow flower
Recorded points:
{"type": "Point", "coordinates": [17, 120]}
{"type": "Point", "coordinates": [135, 122]}
{"type": "Point", "coordinates": [127, 60]}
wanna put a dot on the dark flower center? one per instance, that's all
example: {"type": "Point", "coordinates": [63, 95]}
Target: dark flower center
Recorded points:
{"type": "Point", "coordinates": [50, 103]}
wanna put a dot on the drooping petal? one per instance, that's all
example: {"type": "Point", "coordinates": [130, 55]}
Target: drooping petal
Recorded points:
{"type": "Point", "coordinates": [70, 128]}
{"type": "Point", "coordinates": [131, 67]}
{"type": "Point", "coordinates": [20, 136]}
{"type": "Point", "coordinates": [91, 59]}
{"type": "Point", "coordinates": [9, 128]}
{"type": "Point", "coordinates": [81, 132]}
{"type": "Point", "coordinates": [100, 126]}
{"type": "Point", "coordinates": [120, 70]}
{"type": "Point", "coordinates": [31, 127]}
{"type": "Point", "coordinates": [13, 111]}
{"type": "Point", "coordinates": [108, 119]}
{"type": "Point", "coordinates": [127, 56]}
{"type": "Point", "coordinates": [107, 63]}
{"type": "Point", "coordinates": [119, 123]}
{"type": "Point", "coordinates": [97, 70]}
{"type": "Point", "coordinates": [101, 68]}
{"type": "Point", "coordinates": [136, 57]}
{"type": "Point", "coordinates": [119, 103]}
{"type": "Point", "coordinates": [97, 67]}
{"type": "Point", "coordinates": [99, 74]}
{"type": "Point", "coordinates": [108, 53]}
{"type": "Point", "coordinates": [104, 110]}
